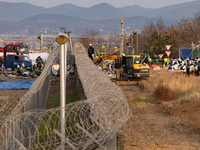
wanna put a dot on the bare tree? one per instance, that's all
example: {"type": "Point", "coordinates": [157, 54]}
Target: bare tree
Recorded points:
{"type": "Point", "coordinates": [154, 37]}
{"type": "Point", "coordinates": [92, 37]}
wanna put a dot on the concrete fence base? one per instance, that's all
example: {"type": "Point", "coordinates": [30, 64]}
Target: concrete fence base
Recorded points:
{"type": "Point", "coordinates": [120, 140]}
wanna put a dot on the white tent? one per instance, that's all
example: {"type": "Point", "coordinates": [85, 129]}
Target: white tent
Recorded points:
{"type": "Point", "coordinates": [33, 56]}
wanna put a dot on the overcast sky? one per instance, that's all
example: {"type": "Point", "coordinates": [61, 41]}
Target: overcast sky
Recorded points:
{"type": "Point", "coordinates": [115, 3]}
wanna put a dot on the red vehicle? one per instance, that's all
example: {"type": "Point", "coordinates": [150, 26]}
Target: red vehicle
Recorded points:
{"type": "Point", "coordinates": [16, 48]}
{"type": "Point", "coordinates": [1, 52]}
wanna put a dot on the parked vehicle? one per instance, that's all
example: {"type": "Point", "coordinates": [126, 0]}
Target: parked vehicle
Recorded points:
{"type": "Point", "coordinates": [17, 49]}
{"type": "Point", "coordinates": [14, 62]}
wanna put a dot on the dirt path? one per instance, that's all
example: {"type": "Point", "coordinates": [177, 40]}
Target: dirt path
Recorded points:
{"type": "Point", "coordinates": [165, 125]}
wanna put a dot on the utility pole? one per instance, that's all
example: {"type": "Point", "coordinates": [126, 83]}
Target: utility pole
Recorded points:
{"type": "Point", "coordinates": [65, 62]}
{"type": "Point", "coordinates": [62, 39]}
{"type": "Point", "coordinates": [70, 40]}
{"type": "Point", "coordinates": [132, 44]}
{"type": "Point", "coordinates": [65, 53]}
{"type": "Point", "coordinates": [136, 42]}
{"type": "Point", "coordinates": [108, 46]}
{"type": "Point", "coordinates": [41, 39]}
{"type": "Point", "coordinates": [35, 28]}
{"type": "Point", "coordinates": [122, 38]}
{"type": "Point", "coordinates": [136, 39]}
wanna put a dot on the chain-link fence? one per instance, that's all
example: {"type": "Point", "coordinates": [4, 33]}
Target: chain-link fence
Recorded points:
{"type": "Point", "coordinates": [34, 98]}
{"type": "Point", "coordinates": [88, 123]}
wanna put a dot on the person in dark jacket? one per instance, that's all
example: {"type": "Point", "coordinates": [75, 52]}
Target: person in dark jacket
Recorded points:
{"type": "Point", "coordinates": [117, 66]}
{"type": "Point", "coordinates": [145, 61]}
{"type": "Point", "coordinates": [188, 67]}
{"type": "Point", "coordinates": [198, 67]}
{"type": "Point", "coordinates": [91, 52]}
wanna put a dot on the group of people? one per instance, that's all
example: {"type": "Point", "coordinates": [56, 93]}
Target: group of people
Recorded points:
{"type": "Point", "coordinates": [193, 65]}
{"type": "Point", "coordinates": [188, 65]}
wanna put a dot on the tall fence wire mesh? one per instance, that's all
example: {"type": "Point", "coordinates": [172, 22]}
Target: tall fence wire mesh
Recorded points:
{"type": "Point", "coordinates": [88, 123]}
{"type": "Point", "coordinates": [32, 100]}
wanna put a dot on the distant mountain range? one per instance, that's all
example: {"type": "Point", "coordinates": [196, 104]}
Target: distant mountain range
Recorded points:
{"type": "Point", "coordinates": [20, 18]}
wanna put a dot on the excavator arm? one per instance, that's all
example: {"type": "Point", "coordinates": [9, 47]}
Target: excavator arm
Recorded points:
{"type": "Point", "coordinates": [108, 56]}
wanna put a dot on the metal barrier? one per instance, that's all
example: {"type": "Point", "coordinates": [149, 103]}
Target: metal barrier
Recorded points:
{"type": "Point", "coordinates": [34, 99]}
{"type": "Point", "coordinates": [89, 123]}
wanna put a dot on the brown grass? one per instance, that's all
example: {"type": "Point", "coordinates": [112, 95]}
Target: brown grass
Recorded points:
{"type": "Point", "coordinates": [167, 85]}
{"type": "Point", "coordinates": [165, 124]}
{"type": "Point", "coordinates": [162, 93]}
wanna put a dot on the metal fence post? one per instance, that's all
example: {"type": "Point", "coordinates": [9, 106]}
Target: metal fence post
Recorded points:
{"type": "Point", "coordinates": [120, 140]}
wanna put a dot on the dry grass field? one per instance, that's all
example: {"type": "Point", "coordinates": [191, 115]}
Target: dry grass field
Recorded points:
{"type": "Point", "coordinates": [166, 110]}
{"type": "Point", "coordinates": [167, 85]}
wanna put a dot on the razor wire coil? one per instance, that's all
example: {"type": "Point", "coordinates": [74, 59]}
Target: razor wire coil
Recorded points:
{"type": "Point", "coordinates": [88, 123]}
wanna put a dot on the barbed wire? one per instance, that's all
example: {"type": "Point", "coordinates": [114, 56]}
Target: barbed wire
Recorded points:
{"type": "Point", "coordinates": [88, 123]}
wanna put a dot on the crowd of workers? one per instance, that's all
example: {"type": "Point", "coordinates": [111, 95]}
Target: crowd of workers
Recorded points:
{"type": "Point", "coordinates": [188, 65]}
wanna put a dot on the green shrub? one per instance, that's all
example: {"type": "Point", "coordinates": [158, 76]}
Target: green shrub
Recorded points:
{"type": "Point", "coordinates": [151, 100]}
{"type": "Point", "coordinates": [137, 100]}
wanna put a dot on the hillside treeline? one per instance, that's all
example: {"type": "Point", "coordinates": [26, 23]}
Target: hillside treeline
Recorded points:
{"type": "Point", "coordinates": [153, 37]}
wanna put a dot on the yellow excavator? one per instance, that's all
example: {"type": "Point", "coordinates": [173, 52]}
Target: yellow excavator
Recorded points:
{"type": "Point", "coordinates": [108, 56]}
{"type": "Point", "coordinates": [132, 66]}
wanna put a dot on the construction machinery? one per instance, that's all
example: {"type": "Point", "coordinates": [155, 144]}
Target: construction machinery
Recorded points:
{"type": "Point", "coordinates": [132, 66]}
{"type": "Point", "coordinates": [108, 56]}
